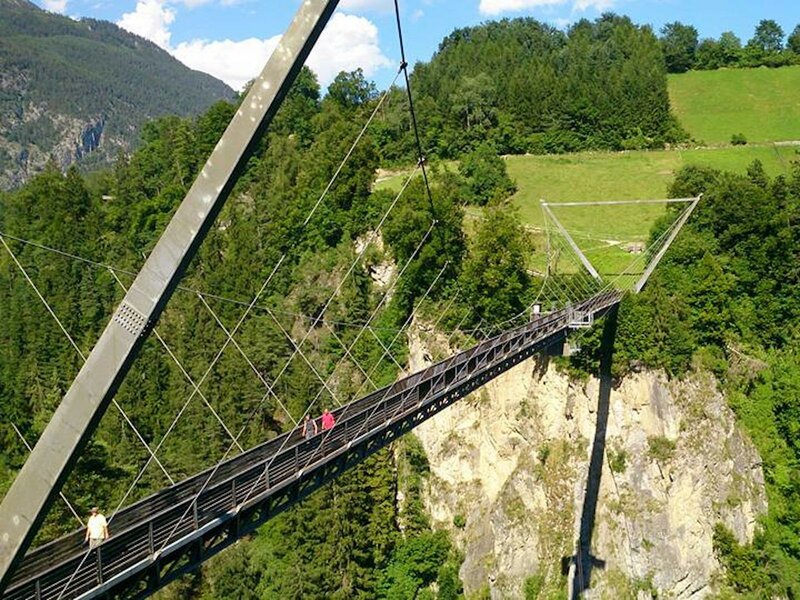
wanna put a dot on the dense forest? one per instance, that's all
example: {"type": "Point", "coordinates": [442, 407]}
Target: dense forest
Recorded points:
{"type": "Point", "coordinates": [275, 218]}
{"type": "Point", "coordinates": [523, 86]}
{"type": "Point", "coordinates": [726, 299]}
{"type": "Point", "coordinates": [769, 47]}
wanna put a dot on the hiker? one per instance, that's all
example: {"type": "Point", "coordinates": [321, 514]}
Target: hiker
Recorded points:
{"type": "Point", "coordinates": [309, 428]}
{"type": "Point", "coordinates": [96, 529]}
{"type": "Point", "coordinates": [328, 420]}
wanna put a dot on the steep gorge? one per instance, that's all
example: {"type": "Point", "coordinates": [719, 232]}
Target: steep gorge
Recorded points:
{"type": "Point", "coordinates": [509, 470]}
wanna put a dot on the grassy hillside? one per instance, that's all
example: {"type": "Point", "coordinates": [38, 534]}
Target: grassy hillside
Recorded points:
{"type": "Point", "coordinates": [763, 104]}
{"type": "Point", "coordinates": [603, 231]}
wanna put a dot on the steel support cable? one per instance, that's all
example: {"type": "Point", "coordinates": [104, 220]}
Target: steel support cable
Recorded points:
{"type": "Point", "coordinates": [389, 419]}
{"type": "Point", "coordinates": [244, 355]}
{"type": "Point", "coordinates": [180, 412]}
{"type": "Point", "coordinates": [404, 69]}
{"type": "Point", "coordinates": [644, 256]}
{"type": "Point", "coordinates": [372, 316]}
{"type": "Point", "coordinates": [457, 328]}
{"type": "Point", "coordinates": [344, 278]}
{"type": "Point", "coordinates": [181, 288]}
{"type": "Point", "coordinates": [406, 323]}
{"type": "Point", "coordinates": [353, 146]}
{"type": "Point", "coordinates": [352, 358]}
{"type": "Point", "coordinates": [250, 307]}
{"type": "Point", "coordinates": [61, 494]}
{"type": "Point", "coordinates": [83, 357]}
{"type": "Point", "coordinates": [446, 309]}
{"type": "Point", "coordinates": [283, 369]}
{"type": "Point", "coordinates": [377, 338]}
{"type": "Point", "coordinates": [326, 434]}
{"type": "Point", "coordinates": [186, 375]}
{"type": "Point", "coordinates": [299, 350]}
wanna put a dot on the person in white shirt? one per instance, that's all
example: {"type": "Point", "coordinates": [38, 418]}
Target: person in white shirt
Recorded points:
{"type": "Point", "coordinates": [96, 529]}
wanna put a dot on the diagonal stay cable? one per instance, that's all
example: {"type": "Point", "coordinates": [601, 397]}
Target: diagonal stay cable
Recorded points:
{"type": "Point", "coordinates": [352, 358]}
{"type": "Point", "coordinates": [286, 364]}
{"type": "Point", "coordinates": [185, 374]}
{"type": "Point", "coordinates": [194, 391]}
{"type": "Point", "coordinates": [377, 308]}
{"type": "Point", "coordinates": [407, 322]}
{"type": "Point", "coordinates": [250, 307]}
{"type": "Point", "coordinates": [82, 355]}
{"type": "Point", "coordinates": [61, 494]}
{"type": "Point", "coordinates": [182, 288]}
{"type": "Point", "coordinates": [302, 354]}
{"type": "Point", "coordinates": [354, 144]}
{"type": "Point", "coordinates": [347, 407]}
{"type": "Point", "coordinates": [417, 138]}
{"type": "Point", "coordinates": [378, 339]}
{"type": "Point", "coordinates": [247, 358]}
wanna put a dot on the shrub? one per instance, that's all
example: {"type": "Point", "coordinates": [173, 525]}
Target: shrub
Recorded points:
{"type": "Point", "coordinates": [617, 460]}
{"type": "Point", "coordinates": [661, 448]}
{"type": "Point", "coordinates": [738, 139]}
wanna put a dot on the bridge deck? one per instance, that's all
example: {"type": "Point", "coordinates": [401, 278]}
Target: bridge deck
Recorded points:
{"type": "Point", "coordinates": [171, 532]}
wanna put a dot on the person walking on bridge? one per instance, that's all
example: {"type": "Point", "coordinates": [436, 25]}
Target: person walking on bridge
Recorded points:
{"type": "Point", "coordinates": [328, 420]}
{"type": "Point", "coordinates": [96, 529]}
{"type": "Point", "coordinates": [309, 428]}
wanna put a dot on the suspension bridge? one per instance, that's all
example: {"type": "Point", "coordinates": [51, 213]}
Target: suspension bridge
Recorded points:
{"type": "Point", "coordinates": [173, 531]}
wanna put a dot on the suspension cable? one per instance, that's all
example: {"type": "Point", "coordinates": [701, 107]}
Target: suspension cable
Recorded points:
{"type": "Point", "coordinates": [82, 355]}
{"type": "Point", "coordinates": [404, 68]}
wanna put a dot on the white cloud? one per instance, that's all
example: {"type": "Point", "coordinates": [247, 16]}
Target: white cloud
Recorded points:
{"type": "Point", "coordinates": [151, 20]}
{"type": "Point", "coordinates": [347, 43]}
{"type": "Point", "coordinates": [362, 5]}
{"type": "Point", "coordinates": [56, 6]}
{"type": "Point", "coordinates": [599, 5]}
{"type": "Point", "coordinates": [235, 63]}
{"type": "Point", "coordinates": [496, 7]}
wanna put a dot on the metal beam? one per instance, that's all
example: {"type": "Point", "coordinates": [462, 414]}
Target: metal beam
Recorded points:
{"type": "Point", "coordinates": [38, 483]}
{"type": "Point", "coordinates": [619, 202]}
{"type": "Point", "coordinates": [571, 242]}
{"type": "Point", "coordinates": [657, 258]}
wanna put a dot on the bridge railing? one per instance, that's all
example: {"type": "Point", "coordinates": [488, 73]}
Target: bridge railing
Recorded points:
{"type": "Point", "coordinates": [162, 519]}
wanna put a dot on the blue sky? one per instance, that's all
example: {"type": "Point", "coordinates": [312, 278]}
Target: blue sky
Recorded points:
{"type": "Point", "coordinates": [231, 39]}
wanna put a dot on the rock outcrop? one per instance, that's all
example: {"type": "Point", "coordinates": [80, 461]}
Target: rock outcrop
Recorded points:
{"type": "Point", "coordinates": [509, 469]}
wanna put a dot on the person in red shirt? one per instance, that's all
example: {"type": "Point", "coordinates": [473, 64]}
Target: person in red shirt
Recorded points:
{"type": "Point", "coordinates": [328, 420]}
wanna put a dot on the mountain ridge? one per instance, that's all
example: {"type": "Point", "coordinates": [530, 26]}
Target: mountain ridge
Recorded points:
{"type": "Point", "coordinates": [80, 91]}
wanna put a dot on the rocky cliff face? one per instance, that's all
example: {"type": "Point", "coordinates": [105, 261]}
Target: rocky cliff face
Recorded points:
{"type": "Point", "coordinates": [509, 476]}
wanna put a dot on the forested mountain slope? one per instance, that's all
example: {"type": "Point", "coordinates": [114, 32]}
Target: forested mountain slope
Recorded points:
{"type": "Point", "coordinates": [81, 90]}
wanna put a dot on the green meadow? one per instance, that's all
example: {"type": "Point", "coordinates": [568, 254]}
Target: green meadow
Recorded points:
{"type": "Point", "coordinates": [763, 104]}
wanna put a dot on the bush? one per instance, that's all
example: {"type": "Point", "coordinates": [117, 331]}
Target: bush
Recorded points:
{"type": "Point", "coordinates": [459, 521]}
{"type": "Point", "coordinates": [617, 460]}
{"type": "Point", "coordinates": [738, 139]}
{"type": "Point", "coordinates": [661, 448]}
